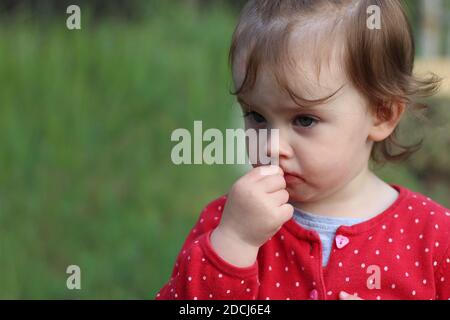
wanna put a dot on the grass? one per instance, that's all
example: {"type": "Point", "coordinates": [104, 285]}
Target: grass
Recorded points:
{"type": "Point", "coordinates": [86, 177]}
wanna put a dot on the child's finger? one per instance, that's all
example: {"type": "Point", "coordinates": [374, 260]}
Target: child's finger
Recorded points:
{"type": "Point", "coordinates": [286, 211]}
{"type": "Point", "coordinates": [280, 197]}
{"type": "Point", "coordinates": [261, 172]}
{"type": "Point", "coordinates": [273, 183]}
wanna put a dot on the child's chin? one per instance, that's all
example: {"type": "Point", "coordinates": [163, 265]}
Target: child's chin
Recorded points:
{"type": "Point", "coordinates": [298, 194]}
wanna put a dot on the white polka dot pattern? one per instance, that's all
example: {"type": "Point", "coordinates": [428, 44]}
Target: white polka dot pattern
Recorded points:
{"type": "Point", "coordinates": [404, 251]}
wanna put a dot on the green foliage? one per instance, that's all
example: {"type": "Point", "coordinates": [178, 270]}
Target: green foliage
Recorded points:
{"type": "Point", "coordinates": [85, 124]}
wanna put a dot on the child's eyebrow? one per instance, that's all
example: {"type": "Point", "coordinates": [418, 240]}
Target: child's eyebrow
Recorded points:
{"type": "Point", "coordinates": [242, 101]}
{"type": "Point", "coordinates": [317, 104]}
{"type": "Point", "coordinates": [308, 105]}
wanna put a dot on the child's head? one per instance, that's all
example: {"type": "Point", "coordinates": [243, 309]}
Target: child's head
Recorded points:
{"type": "Point", "coordinates": [335, 88]}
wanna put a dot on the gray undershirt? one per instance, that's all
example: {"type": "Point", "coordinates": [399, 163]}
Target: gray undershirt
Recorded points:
{"type": "Point", "coordinates": [326, 228]}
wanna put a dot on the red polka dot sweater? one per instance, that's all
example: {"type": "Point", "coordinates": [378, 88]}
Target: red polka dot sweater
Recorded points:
{"type": "Point", "coordinates": [402, 253]}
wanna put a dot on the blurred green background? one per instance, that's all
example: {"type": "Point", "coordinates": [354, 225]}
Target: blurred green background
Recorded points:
{"type": "Point", "coordinates": [85, 123]}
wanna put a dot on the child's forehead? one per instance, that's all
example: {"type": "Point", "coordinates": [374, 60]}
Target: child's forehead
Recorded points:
{"type": "Point", "coordinates": [311, 64]}
{"type": "Point", "coordinates": [304, 78]}
{"type": "Point", "coordinates": [267, 94]}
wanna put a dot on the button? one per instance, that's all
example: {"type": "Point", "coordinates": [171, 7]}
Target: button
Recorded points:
{"type": "Point", "coordinates": [314, 294]}
{"type": "Point", "coordinates": [341, 241]}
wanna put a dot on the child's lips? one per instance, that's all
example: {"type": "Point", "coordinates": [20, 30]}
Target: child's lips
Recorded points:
{"type": "Point", "coordinates": [292, 178]}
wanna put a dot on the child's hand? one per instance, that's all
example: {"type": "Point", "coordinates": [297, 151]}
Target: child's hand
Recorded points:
{"type": "Point", "coordinates": [257, 206]}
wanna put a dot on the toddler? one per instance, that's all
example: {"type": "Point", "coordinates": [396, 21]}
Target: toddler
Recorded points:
{"type": "Point", "coordinates": [324, 226]}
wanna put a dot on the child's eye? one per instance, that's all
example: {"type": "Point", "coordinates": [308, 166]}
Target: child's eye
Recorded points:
{"type": "Point", "coordinates": [305, 121]}
{"type": "Point", "coordinates": [255, 117]}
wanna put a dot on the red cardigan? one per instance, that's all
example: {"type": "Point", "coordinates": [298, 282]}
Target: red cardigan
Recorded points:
{"type": "Point", "coordinates": [402, 253]}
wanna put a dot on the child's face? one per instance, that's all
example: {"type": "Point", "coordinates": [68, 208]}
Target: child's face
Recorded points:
{"type": "Point", "coordinates": [328, 145]}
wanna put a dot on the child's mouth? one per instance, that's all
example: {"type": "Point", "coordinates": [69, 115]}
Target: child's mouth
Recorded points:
{"type": "Point", "coordinates": [292, 179]}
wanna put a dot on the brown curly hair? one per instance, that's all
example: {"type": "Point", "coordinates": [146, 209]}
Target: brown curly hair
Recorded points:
{"type": "Point", "coordinates": [378, 62]}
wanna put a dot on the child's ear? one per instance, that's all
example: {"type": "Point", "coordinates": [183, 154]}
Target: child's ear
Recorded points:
{"type": "Point", "coordinates": [386, 119]}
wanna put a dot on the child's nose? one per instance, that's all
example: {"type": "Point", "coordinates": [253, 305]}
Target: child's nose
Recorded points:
{"type": "Point", "coordinates": [278, 145]}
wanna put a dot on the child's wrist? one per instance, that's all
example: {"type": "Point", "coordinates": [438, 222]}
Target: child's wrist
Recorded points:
{"type": "Point", "coordinates": [232, 248]}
